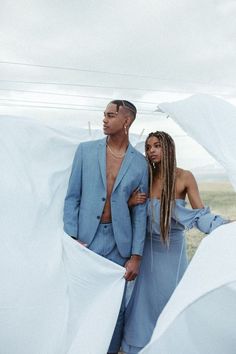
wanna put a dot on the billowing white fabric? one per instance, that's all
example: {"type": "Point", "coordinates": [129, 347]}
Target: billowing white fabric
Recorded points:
{"type": "Point", "coordinates": [211, 121]}
{"type": "Point", "coordinates": [56, 297]}
{"type": "Point", "coordinates": [200, 316]}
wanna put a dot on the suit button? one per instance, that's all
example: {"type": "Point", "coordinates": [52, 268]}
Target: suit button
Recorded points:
{"type": "Point", "coordinates": [98, 217]}
{"type": "Point", "coordinates": [103, 199]}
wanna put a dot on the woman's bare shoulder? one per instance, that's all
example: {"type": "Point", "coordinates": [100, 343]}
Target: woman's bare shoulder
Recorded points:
{"type": "Point", "coordinates": [184, 175]}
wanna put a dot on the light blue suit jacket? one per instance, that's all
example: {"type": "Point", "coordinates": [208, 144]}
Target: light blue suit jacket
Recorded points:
{"type": "Point", "coordinates": [86, 196]}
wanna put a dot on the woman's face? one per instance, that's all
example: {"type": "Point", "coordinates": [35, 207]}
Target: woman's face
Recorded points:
{"type": "Point", "coordinates": [154, 150]}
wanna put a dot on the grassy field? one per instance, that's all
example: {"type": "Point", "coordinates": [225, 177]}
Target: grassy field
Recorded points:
{"type": "Point", "coordinates": [221, 198]}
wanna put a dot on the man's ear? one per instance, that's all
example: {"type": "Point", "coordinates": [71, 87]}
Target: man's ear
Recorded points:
{"type": "Point", "coordinates": [128, 121]}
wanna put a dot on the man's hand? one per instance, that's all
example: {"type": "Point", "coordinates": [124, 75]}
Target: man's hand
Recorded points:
{"type": "Point", "coordinates": [83, 244]}
{"type": "Point", "coordinates": [132, 267]}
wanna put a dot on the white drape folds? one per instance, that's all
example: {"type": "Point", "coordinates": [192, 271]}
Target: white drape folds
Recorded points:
{"type": "Point", "coordinates": [210, 121]}
{"type": "Point", "coordinates": [200, 316]}
{"type": "Point", "coordinates": [56, 297]}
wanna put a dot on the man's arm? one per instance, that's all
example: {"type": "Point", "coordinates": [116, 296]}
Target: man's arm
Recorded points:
{"type": "Point", "coordinates": [73, 196]}
{"type": "Point", "coordinates": [139, 220]}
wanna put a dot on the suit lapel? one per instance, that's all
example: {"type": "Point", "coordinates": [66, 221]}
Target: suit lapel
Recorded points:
{"type": "Point", "coordinates": [102, 160]}
{"type": "Point", "coordinates": [124, 166]}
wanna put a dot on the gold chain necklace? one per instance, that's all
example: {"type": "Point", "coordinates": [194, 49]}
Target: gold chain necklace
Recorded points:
{"type": "Point", "coordinates": [114, 154]}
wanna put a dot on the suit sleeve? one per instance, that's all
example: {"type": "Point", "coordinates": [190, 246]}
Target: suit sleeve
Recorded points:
{"type": "Point", "coordinates": [73, 196]}
{"type": "Point", "coordinates": [139, 218]}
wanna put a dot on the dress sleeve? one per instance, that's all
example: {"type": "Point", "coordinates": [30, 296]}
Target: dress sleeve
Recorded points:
{"type": "Point", "coordinates": [201, 218]}
{"type": "Point", "coordinates": [208, 222]}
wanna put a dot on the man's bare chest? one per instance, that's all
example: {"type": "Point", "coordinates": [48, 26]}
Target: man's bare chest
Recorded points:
{"type": "Point", "coordinates": [112, 170]}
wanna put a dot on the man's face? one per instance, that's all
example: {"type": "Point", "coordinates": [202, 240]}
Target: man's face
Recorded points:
{"type": "Point", "coordinates": [113, 121]}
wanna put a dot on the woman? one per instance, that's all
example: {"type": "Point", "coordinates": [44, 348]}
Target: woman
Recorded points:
{"type": "Point", "coordinates": [164, 259]}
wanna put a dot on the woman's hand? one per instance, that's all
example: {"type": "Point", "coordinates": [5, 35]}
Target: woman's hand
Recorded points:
{"type": "Point", "coordinates": [136, 198]}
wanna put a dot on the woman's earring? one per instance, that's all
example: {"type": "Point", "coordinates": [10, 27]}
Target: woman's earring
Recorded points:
{"type": "Point", "coordinates": [126, 131]}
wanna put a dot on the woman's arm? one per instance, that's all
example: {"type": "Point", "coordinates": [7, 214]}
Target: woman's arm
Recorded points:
{"type": "Point", "coordinates": [136, 198]}
{"type": "Point", "coordinates": [206, 222]}
{"type": "Point", "coordinates": [192, 190]}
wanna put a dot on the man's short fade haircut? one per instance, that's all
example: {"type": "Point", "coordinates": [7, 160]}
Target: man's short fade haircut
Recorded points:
{"type": "Point", "coordinates": [126, 105]}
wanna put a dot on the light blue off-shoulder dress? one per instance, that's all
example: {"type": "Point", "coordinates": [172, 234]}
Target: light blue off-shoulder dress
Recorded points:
{"type": "Point", "coordinates": [161, 269]}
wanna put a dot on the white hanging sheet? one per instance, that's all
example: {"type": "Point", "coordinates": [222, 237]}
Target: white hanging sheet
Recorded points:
{"type": "Point", "coordinates": [210, 121]}
{"type": "Point", "coordinates": [56, 297]}
{"type": "Point", "coordinates": [200, 316]}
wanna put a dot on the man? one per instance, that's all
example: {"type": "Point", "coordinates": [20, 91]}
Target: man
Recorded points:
{"type": "Point", "coordinates": [104, 174]}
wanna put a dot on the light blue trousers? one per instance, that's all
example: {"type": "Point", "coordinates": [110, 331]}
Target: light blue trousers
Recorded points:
{"type": "Point", "coordinates": [104, 244]}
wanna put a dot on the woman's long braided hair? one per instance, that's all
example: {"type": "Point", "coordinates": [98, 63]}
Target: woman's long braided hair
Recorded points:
{"type": "Point", "coordinates": [166, 170]}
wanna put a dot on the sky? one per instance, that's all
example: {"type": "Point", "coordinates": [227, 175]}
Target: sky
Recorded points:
{"type": "Point", "coordinates": [68, 59]}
